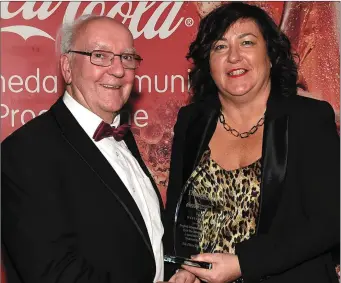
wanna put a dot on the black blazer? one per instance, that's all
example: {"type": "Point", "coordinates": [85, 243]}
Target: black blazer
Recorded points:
{"type": "Point", "coordinates": [66, 215]}
{"type": "Point", "coordinates": [299, 219]}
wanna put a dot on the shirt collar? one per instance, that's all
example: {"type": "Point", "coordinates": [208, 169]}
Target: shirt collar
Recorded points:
{"type": "Point", "coordinates": [88, 120]}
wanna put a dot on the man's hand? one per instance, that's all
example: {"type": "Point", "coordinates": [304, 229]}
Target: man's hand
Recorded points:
{"type": "Point", "coordinates": [225, 268]}
{"type": "Point", "coordinates": [183, 276]}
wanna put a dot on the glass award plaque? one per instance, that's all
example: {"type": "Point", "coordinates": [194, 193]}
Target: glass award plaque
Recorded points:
{"type": "Point", "coordinates": [199, 220]}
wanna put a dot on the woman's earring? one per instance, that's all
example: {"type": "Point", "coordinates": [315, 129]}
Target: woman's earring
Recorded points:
{"type": "Point", "coordinates": [270, 65]}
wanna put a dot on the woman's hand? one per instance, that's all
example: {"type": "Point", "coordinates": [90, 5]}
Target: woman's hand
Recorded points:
{"type": "Point", "coordinates": [225, 268]}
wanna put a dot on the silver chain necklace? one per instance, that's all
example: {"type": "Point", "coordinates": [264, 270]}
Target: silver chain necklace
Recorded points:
{"type": "Point", "coordinates": [238, 134]}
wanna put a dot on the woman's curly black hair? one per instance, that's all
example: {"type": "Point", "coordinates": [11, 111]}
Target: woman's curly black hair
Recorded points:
{"type": "Point", "coordinates": [212, 28]}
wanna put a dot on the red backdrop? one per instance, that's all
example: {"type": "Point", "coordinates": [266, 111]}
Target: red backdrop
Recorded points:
{"type": "Point", "coordinates": [31, 82]}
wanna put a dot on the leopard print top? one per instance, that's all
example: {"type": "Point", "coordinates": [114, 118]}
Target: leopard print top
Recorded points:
{"type": "Point", "coordinates": [232, 203]}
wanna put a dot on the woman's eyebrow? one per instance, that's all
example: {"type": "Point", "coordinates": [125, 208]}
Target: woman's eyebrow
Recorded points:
{"type": "Point", "coordinates": [246, 34]}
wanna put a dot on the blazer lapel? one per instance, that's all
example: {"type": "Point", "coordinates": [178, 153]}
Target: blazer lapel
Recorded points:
{"type": "Point", "coordinates": [204, 140]}
{"type": "Point", "coordinates": [200, 129]}
{"type": "Point", "coordinates": [76, 137]}
{"type": "Point", "coordinates": [274, 161]}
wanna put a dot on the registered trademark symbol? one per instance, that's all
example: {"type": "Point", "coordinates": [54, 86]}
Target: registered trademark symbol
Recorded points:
{"type": "Point", "coordinates": [189, 22]}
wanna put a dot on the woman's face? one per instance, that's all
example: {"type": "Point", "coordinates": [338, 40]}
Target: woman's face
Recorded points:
{"type": "Point", "coordinates": [239, 62]}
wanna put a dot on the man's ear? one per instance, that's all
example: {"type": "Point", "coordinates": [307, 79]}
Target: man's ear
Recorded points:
{"type": "Point", "coordinates": [65, 65]}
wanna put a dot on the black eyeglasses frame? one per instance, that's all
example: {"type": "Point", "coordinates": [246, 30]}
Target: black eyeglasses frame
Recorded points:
{"type": "Point", "coordinates": [136, 57]}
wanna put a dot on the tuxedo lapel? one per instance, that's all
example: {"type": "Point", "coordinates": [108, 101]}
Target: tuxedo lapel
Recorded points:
{"type": "Point", "coordinates": [274, 162]}
{"type": "Point", "coordinates": [76, 137]}
{"type": "Point", "coordinates": [130, 142]}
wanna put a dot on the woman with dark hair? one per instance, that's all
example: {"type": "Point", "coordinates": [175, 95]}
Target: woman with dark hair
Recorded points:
{"type": "Point", "coordinates": [265, 161]}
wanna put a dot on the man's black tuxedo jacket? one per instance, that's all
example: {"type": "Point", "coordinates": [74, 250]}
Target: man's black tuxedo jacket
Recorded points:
{"type": "Point", "coordinates": [66, 215]}
{"type": "Point", "coordinates": [299, 219]}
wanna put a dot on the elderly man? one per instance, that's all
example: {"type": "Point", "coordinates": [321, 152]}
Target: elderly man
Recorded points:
{"type": "Point", "coordinates": [79, 204]}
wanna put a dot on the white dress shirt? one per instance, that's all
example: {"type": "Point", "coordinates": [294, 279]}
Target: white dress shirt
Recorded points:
{"type": "Point", "coordinates": [131, 174]}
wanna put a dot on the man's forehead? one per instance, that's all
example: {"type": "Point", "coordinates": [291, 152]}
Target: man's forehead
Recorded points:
{"type": "Point", "coordinates": [103, 26]}
{"type": "Point", "coordinates": [105, 34]}
{"type": "Point", "coordinates": [108, 47]}
{"type": "Point", "coordinates": [102, 20]}
{"type": "Point", "coordinates": [105, 23]}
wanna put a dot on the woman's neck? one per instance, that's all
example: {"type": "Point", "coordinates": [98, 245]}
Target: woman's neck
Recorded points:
{"type": "Point", "coordinates": [244, 112]}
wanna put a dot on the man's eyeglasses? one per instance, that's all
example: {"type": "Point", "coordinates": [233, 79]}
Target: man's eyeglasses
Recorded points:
{"type": "Point", "coordinates": [104, 58]}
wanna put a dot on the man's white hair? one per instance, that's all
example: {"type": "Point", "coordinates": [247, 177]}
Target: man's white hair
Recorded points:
{"type": "Point", "coordinates": [67, 33]}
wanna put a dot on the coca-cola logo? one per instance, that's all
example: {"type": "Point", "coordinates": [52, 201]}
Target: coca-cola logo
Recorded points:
{"type": "Point", "coordinates": [123, 9]}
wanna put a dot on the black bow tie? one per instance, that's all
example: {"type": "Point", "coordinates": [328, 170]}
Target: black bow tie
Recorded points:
{"type": "Point", "coordinates": [104, 130]}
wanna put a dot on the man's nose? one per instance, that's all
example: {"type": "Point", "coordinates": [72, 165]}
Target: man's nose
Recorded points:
{"type": "Point", "coordinates": [116, 68]}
